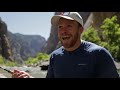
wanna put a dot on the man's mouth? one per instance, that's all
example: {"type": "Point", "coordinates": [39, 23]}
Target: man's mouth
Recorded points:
{"type": "Point", "coordinates": [65, 38]}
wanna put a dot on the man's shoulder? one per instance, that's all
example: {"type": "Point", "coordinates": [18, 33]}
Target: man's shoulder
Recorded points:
{"type": "Point", "coordinates": [97, 49]}
{"type": "Point", "coordinates": [58, 51]}
{"type": "Point", "coordinates": [93, 46]}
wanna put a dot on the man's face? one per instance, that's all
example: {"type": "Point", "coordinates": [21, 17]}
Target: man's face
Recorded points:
{"type": "Point", "coordinates": [68, 32]}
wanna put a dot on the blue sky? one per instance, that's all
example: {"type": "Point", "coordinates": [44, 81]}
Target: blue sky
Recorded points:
{"type": "Point", "coordinates": [28, 23]}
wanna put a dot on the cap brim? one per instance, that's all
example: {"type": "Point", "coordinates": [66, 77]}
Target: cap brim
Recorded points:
{"type": "Point", "coordinates": [55, 19]}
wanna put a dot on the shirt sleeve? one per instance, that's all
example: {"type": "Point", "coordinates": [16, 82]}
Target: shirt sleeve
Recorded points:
{"type": "Point", "coordinates": [50, 73]}
{"type": "Point", "coordinates": [105, 67]}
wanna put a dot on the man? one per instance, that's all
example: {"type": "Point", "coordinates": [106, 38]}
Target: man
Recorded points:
{"type": "Point", "coordinates": [76, 58]}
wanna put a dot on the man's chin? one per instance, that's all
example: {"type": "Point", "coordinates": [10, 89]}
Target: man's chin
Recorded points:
{"type": "Point", "coordinates": [66, 45]}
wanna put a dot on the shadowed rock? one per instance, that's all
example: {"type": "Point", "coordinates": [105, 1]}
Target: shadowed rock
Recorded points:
{"type": "Point", "coordinates": [44, 65]}
{"type": "Point", "coordinates": [4, 41]}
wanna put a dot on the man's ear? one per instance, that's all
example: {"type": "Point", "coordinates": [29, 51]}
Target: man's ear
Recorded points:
{"type": "Point", "coordinates": [81, 29]}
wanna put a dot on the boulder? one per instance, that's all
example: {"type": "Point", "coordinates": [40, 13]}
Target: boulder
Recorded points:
{"type": "Point", "coordinates": [44, 65]}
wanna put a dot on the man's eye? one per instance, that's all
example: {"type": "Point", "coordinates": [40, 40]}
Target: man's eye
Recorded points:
{"type": "Point", "coordinates": [59, 26]}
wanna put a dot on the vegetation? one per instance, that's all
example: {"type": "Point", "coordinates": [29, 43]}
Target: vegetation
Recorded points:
{"type": "Point", "coordinates": [7, 62]}
{"type": "Point", "coordinates": [91, 35]}
{"type": "Point", "coordinates": [40, 57]}
{"type": "Point", "coordinates": [1, 60]}
{"type": "Point", "coordinates": [110, 36]}
{"type": "Point", "coordinates": [31, 61]}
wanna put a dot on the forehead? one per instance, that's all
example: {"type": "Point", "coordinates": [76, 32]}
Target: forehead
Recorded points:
{"type": "Point", "coordinates": [62, 20]}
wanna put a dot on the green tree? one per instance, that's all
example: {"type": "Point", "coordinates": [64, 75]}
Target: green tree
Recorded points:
{"type": "Point", "coordinates": [43, 56]}
{"type": "Point", "coordinates": [91, 35]}
{"type": "Point", "coordinates": [37, 59]}
{"type": "Point", "coordinates": [110, 36]}
{"type": "Point", "coordinates": [111, 32]}
{"type": "Point", "coordinates": [5, 62]}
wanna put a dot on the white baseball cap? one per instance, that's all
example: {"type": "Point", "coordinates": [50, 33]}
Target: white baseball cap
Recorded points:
{"type": "Point", "coordinates": [67, 15]}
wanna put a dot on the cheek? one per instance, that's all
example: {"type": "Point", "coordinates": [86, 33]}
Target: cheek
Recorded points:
{"type": "Point", "coordinates": [60, 32]}
{"type": "Point", "coordinates": [59, 35]}
{"type": "Point", "coordinates": [75, 34]}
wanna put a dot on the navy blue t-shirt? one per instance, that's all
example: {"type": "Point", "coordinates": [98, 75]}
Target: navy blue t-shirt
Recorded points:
{"type": "Point", "coordinates": [87, 61]}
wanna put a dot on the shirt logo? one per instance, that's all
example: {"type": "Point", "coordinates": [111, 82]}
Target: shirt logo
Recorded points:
{"type": "Point", "coordinates": [82, 64]}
